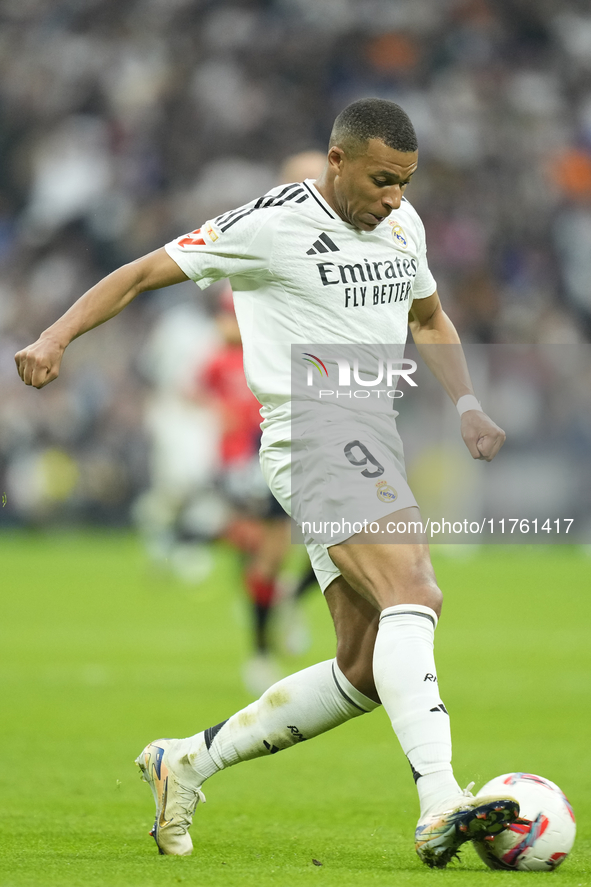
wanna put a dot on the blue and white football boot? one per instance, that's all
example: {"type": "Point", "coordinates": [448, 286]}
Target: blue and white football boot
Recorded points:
{"type": "Point", "coordinates": [441, 832]}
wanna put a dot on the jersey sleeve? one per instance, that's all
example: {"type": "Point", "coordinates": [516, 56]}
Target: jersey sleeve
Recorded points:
{"type": "Point", "coordinates": [238, 243]}
{"type": "Point", "coordinates": [424, 283]}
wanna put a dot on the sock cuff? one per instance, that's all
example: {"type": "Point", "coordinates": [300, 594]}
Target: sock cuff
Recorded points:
{"type": "Point", "coordinates": [410, 610]}
{"type": "Point", "coordinates": [351, 693]}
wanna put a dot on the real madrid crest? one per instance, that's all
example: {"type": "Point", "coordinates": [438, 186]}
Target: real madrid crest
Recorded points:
{"type": "Point", "coordinates": [385, 492]}
{"type": "Point", "coordinates": [398, 235]}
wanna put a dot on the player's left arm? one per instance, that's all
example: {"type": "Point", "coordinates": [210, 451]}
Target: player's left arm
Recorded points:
{"type": "Point", "coordinates": [439, 345]}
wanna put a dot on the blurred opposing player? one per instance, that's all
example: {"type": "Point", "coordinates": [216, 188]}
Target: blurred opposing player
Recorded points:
{"type": "Point", "coordinates": [220, 383]}
{"type": "Point", "coordinates": [292, 256]}
{"type": "Point", "coordinates": [305, 165]}
{"type": "Point", "coordinates": [183, 444]}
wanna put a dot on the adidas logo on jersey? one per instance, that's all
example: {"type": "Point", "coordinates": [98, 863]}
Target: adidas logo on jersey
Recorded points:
{"type": "Point", "coordinates": [323, 245]}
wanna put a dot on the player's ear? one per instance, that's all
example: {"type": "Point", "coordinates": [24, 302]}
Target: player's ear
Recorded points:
{"type": "Point", "coordinates": [336, 158]}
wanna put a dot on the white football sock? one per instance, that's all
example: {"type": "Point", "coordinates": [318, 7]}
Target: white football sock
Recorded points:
{"type": "Point", "coordinates": [296, 708]}
{"type": "Point", "coordinates": [406, 681]}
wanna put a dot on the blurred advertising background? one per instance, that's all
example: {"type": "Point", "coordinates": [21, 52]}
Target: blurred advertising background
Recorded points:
{"type": "Point", "coordinates": [125, 123]}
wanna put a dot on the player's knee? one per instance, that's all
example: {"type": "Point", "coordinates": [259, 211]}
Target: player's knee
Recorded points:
{"type": "Point", "coordinates": [422, 590]}
{"type": "Point", "coordinates": [429, 595]}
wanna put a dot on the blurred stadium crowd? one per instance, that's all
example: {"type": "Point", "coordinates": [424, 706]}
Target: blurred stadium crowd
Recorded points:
{"type": "Point", "coordinates": [124, 123]}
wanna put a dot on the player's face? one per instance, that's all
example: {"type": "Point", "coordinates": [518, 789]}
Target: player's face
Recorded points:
{"type": "Point", "coordinates": [368, 187]}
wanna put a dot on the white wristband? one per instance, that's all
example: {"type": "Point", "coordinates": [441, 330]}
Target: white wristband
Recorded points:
{"type": "Point", "coordinates": [468, 402]}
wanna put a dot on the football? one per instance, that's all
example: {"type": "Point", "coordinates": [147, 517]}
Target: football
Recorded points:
{"type": "Point", "coordinates": [542, 837]}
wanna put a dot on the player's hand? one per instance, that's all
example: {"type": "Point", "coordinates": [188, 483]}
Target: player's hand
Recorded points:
{"type": "Point", "coordinates": [39, 363]}
{"type": "Point", "coordinates": [482, 436]}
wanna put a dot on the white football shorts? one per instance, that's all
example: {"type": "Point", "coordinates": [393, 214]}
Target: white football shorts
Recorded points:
{"type": "Point", "coordinates": [336, 478]}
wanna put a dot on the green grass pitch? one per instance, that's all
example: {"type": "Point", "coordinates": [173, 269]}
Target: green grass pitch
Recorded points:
{"type": "Point", "coordinates": [99, 656]}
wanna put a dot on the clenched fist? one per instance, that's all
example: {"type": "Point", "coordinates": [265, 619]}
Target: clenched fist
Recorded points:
{"type": "Point", "coordinates": [39, 363]}
{"type": "Point", "coordinates": [482, 436]}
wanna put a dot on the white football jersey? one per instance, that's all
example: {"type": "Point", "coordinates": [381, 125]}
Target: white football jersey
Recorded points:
{"type": "Point", "coordinates": [300, 274]}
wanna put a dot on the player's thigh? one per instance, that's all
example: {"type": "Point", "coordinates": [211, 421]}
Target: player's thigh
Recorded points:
{"type": "Point", "coordinates": [356, 626]}
{"type": "Point", "coordinates": [388, 574]}
{"type": "Point", "coordinates": [348, 477]}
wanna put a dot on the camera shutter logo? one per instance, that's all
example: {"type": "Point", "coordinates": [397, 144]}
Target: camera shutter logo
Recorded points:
{"type": "Point", "coordinates": [315, 362]}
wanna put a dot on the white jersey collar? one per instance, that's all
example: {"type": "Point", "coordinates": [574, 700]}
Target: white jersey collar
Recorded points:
{"type": "Point", "coordinates": [317, 196]}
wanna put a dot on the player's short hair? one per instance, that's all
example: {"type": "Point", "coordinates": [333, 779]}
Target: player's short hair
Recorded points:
{"type": "Point", "coordinates": [373, 119]}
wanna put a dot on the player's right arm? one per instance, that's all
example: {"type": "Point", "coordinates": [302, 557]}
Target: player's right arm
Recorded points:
{"type": "Point", "coordinates": [39, 363]}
